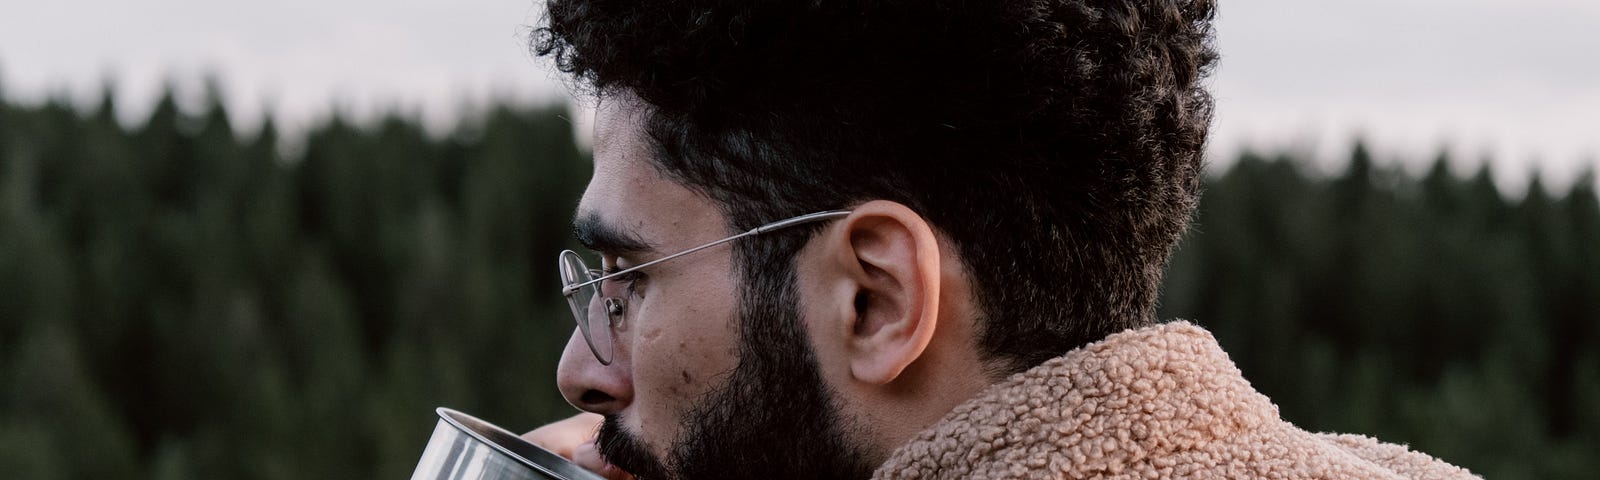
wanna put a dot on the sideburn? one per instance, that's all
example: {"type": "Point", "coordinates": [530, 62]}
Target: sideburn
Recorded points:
{"type": "Point", "coordinates": [774, 418]}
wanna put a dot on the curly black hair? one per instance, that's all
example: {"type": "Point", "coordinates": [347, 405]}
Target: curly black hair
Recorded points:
{"type": "Point", "coordinates": [1056, 143]}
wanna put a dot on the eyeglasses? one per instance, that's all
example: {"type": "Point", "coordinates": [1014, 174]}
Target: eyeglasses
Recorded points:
{"type": "Point", "coordinates": [591, 296]}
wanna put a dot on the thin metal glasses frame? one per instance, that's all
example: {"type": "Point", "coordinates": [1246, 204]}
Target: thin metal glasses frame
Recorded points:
{"type": "Point", "coordinates": [778, 225]}
{"type": "Point", "coordinates": [613, 308]}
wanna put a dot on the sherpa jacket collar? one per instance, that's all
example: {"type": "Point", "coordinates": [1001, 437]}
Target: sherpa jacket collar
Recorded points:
{"type": "Point", "coordinates": [1158, 402]}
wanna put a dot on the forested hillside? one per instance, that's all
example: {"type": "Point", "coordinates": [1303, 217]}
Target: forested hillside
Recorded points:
{"type": "Point", "coordinates": [179, 299]}
{"type": "Point", "coordinates": [1429, 311]}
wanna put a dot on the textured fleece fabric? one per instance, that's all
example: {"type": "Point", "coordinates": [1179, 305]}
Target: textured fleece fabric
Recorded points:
{"type": "Point", "coordinates": [1158, 402]}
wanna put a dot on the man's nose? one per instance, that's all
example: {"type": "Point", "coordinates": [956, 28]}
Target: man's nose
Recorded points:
{"type": "Point", "coordinates": [590, 386]}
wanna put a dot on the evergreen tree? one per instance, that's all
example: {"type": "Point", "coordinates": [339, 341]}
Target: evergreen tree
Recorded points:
{"type": "Point", "coordinates": [182, 300]}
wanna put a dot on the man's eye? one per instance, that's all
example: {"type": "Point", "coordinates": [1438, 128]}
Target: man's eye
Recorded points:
{"type": "Point", "coordinates": [629, 281]}
{"type": "Point", "coordinates": [608, 263]}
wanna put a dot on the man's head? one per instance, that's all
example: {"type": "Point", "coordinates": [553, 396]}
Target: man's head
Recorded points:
{"type": "Point", "coordinates": [1018, 173]}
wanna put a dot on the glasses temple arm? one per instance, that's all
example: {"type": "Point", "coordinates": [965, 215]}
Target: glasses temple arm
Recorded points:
{"type": "Point", "coordinates": [807, 218]}
{"type": "Point", "coordinates": [778, 225]}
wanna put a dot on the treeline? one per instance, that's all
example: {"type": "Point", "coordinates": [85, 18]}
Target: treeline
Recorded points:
{"type": "Point", "coordinates": [1430, 311]}
{"type": "Point", "coordinates": [179, 299]}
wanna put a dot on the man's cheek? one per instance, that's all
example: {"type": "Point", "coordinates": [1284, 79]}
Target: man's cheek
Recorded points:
{"type": "Point", "coordinates": [674, 375]}
{"type": "Point", "coordinates": [662, 395]}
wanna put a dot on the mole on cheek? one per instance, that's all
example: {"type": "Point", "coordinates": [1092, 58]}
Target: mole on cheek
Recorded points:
{"type": "Point", "coordinates": [686, 378]}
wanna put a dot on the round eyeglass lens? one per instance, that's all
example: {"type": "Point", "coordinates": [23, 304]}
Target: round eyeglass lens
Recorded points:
{"type": "Point", "coordinates": [586, 305]}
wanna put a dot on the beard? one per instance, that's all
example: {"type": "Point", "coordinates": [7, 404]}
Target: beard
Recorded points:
{"type": "Point", "coordinates": [774, 418]}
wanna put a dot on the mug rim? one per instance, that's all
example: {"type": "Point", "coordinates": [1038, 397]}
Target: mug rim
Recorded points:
{"type": "Point", "coordinates": [546, 462]}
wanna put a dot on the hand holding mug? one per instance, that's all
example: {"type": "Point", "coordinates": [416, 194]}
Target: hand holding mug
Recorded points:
{"type": "Point", "coordinates": [573, 438]}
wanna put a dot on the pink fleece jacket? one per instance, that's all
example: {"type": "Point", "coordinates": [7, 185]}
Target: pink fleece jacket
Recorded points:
{"type": "Point", "coordinates": [1159, 402]}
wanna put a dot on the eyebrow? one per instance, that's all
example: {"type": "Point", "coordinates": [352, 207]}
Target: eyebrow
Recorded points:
{"type": "Point", "coordinates": [595, 234]}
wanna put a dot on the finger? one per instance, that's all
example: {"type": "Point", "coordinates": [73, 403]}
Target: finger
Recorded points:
{"type": "Point", "coordinates": [562, 436]}
{"type": "Point", "coordinates": [588, 457]}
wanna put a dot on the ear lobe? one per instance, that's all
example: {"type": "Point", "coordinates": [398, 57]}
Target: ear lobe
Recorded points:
{"type": "Point", "coordinates": [896, 304]}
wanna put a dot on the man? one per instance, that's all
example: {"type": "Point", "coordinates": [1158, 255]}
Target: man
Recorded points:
{"type": "Point", "coordinates": [902, 239]}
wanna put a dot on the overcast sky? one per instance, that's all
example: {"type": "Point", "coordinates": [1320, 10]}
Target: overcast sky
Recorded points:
{"type": "Point", "coordinates": [1515, 81]}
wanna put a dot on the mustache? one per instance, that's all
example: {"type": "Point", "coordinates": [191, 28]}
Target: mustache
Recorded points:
{"type": "Point", "coordinates": [627, 452]}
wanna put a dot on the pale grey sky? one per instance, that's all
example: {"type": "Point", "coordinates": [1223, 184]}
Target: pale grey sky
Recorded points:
{"type": "Point", "coordinates": [1516, 81]}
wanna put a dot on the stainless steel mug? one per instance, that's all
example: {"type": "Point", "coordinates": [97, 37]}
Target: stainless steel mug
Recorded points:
{"type": "Point", "coordinates": [466, 448]}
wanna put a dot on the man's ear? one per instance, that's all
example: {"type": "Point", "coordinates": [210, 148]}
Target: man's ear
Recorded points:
{"type": "Point", "coordinates": [889, 258]}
